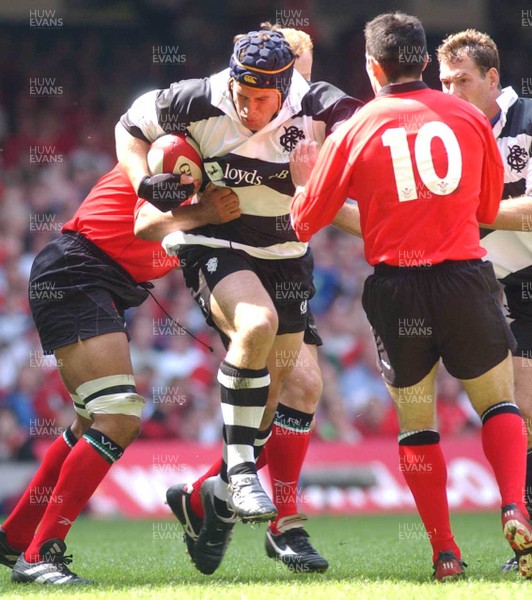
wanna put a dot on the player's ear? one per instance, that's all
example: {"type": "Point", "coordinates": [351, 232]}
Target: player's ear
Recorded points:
{"type": "Point", "coordinates": [368, 63]}
{"type": "Point", "coordinates": [373, 66]}
{"type": "Point", "coordinates": [425, 62]}
{"type": "Point", "coordinates": [374, 71]}
{"type": "Point", "coordinates": [493, 78]}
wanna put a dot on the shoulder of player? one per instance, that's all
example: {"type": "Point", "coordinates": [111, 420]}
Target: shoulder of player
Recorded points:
{"type": "Point", "coordinates": [467, 117]}
{"type": "Point", "coordinates": [458, 107]}
{"type": "Point", "coordinates": [381, 111]}
{"type": "Point", "coordinates": [458, 104]}
{"type": "Point", "coordinates": [322, 95]}
{"type": "Point", "coordinates": [193, 87]}
{"type": "Point", "coordinates": [113, 195]}
{"type": "Point", "coordinates": [113, 183]}
{"type": "Point", "coordinates": [519, 118]}
{"type": "Point", "coordinates": [191, 97]}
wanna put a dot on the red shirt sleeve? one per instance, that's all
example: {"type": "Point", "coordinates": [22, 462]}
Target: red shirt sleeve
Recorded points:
{"type": "Point", "coordinates": [326, 191]}
{"type": "Point", "coordinates": [492, 183]}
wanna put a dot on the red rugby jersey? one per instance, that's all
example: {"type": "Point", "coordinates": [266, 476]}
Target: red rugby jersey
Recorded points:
{"type": "Point", "coordinates": [423, 166]}
{"type": "Point", "coordinates": [106, 217]}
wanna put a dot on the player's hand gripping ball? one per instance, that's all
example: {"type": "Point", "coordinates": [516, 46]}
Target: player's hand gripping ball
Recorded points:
{"type": "Point", "coordinates": [169, 158]}
{"type": "Point", "coordinates": [177, 154]}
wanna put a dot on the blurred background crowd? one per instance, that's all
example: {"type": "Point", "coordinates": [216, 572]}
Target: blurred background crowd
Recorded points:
{"type": "Point", "coordinates": [55, 146]}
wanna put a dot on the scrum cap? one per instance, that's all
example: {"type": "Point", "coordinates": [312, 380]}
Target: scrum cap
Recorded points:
{"type": "Point", "coordinates": [263, 60]}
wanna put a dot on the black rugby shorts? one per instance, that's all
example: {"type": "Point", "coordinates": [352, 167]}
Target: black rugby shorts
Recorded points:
{"type": "Point", "coordinates": [76, 291]}
{"type": "Point", "coordinates": [450, 311]}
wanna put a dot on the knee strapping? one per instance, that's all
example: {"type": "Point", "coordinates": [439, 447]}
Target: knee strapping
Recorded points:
{"type": "Point", "coordinates": [79, 406]}
{"type": "Point", "coordinates": [112, 395]}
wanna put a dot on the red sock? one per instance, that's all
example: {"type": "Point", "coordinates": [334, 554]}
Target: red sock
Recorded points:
{"type": "Point", "coordinates": [504, 441]}
{"type": "Point", "coordinates": [81, 474]}
{"type": "Point", "coordinates": [425, 472]}
{"type": "Point", "coordinates": [21, 524]}
{"type": "Point", "coordinates": [285, 452]}
{"type": "Point", "coordinates": [195, 498]}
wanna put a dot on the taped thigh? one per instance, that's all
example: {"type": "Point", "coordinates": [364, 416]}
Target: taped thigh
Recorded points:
{"type": "Point", "coordinates": [112, 395]}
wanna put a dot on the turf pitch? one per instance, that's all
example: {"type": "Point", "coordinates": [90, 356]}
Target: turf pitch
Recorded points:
{"type": "Point", "coordinates": [373, 557]}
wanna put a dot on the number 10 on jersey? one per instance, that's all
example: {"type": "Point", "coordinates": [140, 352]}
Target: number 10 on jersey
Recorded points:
{"type": "Point", "coordinates": [402, 160]}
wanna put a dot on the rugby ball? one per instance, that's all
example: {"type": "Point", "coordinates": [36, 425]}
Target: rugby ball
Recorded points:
{"type": "Point", "coordinates": [175, 153]}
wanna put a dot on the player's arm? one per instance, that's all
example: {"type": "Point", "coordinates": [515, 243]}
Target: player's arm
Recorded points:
{"type": "Point", "coordinates": [215, 205]}
{"type": "Point", "coordinates": [332, 107]}
{"type": "Point", "coordinates": [303, 162]}
{"type": "Point", "coordinates": [513, 212]}
{"type": "Point", "coordinates": [153, 225]}
{"type": "Point", "coordinates": [131, 153]}
{"type": "Point", "coordinates": [348, 219]}
{"type": "Point", "coordinates": [317, 204]}
{"type": "Point", "coordinates": [329, 106]}
{"type": "Point", "coordinates": [135, 132]}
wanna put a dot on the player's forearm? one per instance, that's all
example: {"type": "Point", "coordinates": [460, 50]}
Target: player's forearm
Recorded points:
{"type": "Point", "coordinates": [348, 219]}
{"type": "Point", "coordinates": [317, 203]}
{"type": "Point", "coordinates": [131, 153]}
{"type": "Point", "coordinates": [314, 207]}
{"type": "Point", "coordinates": [153, 225]}
{"type": "Point", "coordinates": [515, 214]}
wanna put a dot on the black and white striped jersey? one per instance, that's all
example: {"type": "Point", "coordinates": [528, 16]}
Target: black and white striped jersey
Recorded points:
{"type": "Point", "coordinates": [255, 165]}
{"type": "Point", "coordinates": [511, 251]}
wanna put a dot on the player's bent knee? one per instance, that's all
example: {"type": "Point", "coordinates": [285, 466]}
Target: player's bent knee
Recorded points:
{"type": "Point", "coordinates": [303, 389]}
{"type": "Point", "coordinates": [312, 385]}
{"type": "Point", "coordinates": [112, 395]}
{"type": "Point", "coordinates": [80, 426]}
{"type": "Point", "coordinates": [259, 329]}
{"type": "Point", "coordinates": [265, 326]}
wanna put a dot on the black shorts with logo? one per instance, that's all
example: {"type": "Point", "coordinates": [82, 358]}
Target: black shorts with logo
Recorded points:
{"type": "Point", "coordinates": [518, 292]}
{"type": "Point", "coordinates": [288, 282]}
{"type": "Point", "coordinates": [76, 291]}
{"type": "Point", "coordinates": [450, 310]}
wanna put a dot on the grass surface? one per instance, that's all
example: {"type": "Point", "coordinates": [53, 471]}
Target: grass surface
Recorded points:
{"type": "Point", "coordinates": [386, 557]}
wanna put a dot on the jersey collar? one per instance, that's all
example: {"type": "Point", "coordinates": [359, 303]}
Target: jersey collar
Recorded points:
{"type": "Point", "coordinates": [401, 88]}
{"type": "Point", "coordinates": [221, 98]}
{"type": "Point", "coordinates": [505, 100]}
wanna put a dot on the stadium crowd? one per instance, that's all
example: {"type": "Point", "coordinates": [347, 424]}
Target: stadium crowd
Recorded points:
{"type": "Point", "coordinates": [56, 139]}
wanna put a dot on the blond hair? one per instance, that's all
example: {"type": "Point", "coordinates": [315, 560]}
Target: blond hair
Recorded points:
{"type": "Point", "coordinates": [299, 41]}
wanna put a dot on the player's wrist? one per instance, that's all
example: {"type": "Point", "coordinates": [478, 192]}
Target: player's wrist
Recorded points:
{"type": "Point", "coordinates": [142, 188]}
{"type": "Point", "coordinates": [164, 190]}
